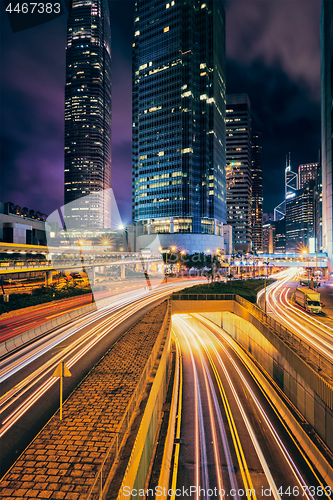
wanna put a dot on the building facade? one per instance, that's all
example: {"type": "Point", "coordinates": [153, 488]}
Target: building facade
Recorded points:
{"type": "Point", "coordinates": [20, 227]}
{"type": "Point", "coordinates": [178, 161]}
{"type": "Point", "coordinates": [268, 237]}
{"type": "Point", "coordinates": [239, 165]}
{"type": "Point", "coordinates": [291, 181]}
{"type": "Point", "coordinates": [88, 116]}
{"type": "Point", "coordinates": [307, 172]}
{"type": "Point", "coordinates": [257, 213]}
{"type": "Point", "coordinates": [300, 218]}
{"type": "Point", "coordinates": [279, 229]}
{"type": "Point", "coordinates": [326, 36]}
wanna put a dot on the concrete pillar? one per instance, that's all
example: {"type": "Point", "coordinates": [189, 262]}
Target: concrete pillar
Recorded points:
{"type": "Point", "coordinates": [171, 225]}
{"type": "Point", "coordinates": [122, 271]}
{"type": "Point", "coordinates": [48, 278]}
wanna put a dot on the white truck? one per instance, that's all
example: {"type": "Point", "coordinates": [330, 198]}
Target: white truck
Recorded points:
{"type": "Point", "coordinates": [309, 299]}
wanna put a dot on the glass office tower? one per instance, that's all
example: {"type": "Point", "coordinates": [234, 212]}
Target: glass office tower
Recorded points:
{"type": "Point", "coordinates": [307, 172]}
{"type": "Point", "coordinates": [88, 116]}
{"type": "Point", "coordinates": [256, 170]}
{"type": "Point", "coordinates": [300, 218]}
{"type": "Point", "coordinates": [239, 166]}
{"type": "Point", "coordinates": [179, 122]}
{"type": "Point", "coordinates": [327, 125]}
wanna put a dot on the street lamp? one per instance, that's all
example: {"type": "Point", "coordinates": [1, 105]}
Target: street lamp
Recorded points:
{"type": "Point", "coordinates": [305, 252]}
{"type": "Point", "coordinates": [266, 263]}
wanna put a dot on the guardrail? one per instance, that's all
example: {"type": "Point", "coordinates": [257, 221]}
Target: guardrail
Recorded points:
{"type": "Point", "coordinates": [301, 346]}
{"type": "Point", "coordinates": [209, 296]}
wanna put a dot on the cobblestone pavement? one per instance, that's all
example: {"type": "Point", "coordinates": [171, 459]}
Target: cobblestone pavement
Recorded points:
{"type": "Point", "coordinates": [62, 461]}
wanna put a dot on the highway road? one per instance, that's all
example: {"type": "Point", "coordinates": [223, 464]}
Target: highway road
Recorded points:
{"type": "Point", "coordinates": [231, 440]}
{"type": "Point", "coordinates": [22, 320]}
{"type": "Point", "coordinates": [309, 327]}
{"type": "Point", "coordinates": [29, 395]}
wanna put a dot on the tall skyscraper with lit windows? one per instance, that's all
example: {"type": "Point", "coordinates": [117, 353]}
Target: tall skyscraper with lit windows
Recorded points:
{"type": "Point", "coordinates": [307, 172]}
{"type": "Point", "coordinates": [179, 189]}
{"type": "Point", "coordinates": [88, 116]}
{"type": "Point", "coordinates": [239, 165]}
{"type": "Point", "coordinates": [326, 35]}
{"type": "Point", "coordinates": [257, 200]}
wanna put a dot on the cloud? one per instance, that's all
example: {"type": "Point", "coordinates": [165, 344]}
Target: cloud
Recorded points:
{"type": "Point", "coordinates": [32, 132]}
{"type": "Point", "coordinates": [280, 33]}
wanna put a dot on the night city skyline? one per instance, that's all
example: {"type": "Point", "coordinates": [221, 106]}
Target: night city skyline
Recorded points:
{"type": "Point", "coordinates": [273, 54]}
{"type": "Point", "coordinates": [166, 249]}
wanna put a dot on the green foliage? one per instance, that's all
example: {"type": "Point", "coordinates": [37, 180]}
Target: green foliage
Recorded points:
{"type": "Point", "coordinates": [245, 288]}
{"type": "Point", "coordinates": [41, 295]}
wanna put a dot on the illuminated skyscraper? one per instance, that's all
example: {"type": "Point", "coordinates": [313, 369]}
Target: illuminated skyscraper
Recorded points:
{"type": "Point", "coordinates": [179, 122]}
{"type": "Point", "coordinates": [256, 170]}
{"type": "Point", "coordinates": [291, 181]}
{"type": "Point", "coordinates": [327, 125]}
{"type": "Point", "coordinates": [88, 116]}
{"type": "Point", "coordinates": [307, 172]}
{"type": "Point", "coordinates": [239, 165]}
{"type": "Point", "coordinates": [300, 218]}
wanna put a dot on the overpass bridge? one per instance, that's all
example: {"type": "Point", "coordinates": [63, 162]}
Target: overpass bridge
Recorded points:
{"type": "Point", "coordinates": [21, 259]}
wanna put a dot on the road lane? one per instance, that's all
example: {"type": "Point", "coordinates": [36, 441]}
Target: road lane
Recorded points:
{"type": "Point", "coordinates": [307, 326]}
{"type": "Point", "coordinates": [29, 394]}
{"type": "Point", "coordinates": [231, 439]}
{"type": "Point", "coordinates": [17, 322]}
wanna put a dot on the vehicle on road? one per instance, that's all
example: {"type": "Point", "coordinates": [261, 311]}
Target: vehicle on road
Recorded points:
{"type": "Point", "coordinates": [308, 299]}
{"type": "Point", "coordinates": [306, 282]}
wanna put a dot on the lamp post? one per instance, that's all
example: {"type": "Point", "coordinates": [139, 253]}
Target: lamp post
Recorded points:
{"type": "Point", "coordinates": [305, 252]}
{"type": "Point", "coordinates": [265, 286]}
{"type": "Point", "coordinates": [182, 252]}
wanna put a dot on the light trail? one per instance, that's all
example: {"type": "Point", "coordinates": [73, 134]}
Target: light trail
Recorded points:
{"type": "Point", "coordinates": [238, 447]}
{"type": "Point", "coordinates": [108, 318]}
{"type": "Point", "coordinates": [226, 338]}
{"type": "Point", "coordinates": [188, 336]}
{"type": "Point", "coordinates": [316, 334]}
{"type": "Point", "coordinates": [199, 429]}
{"type": "Point", "coordinates": [204, 340]}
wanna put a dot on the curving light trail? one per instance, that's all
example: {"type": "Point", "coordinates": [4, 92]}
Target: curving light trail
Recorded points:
{"type": "Point", "coordinates": [97, 325]}
{"type": "Point", "coordinates": [209, 348]}
{"type": "Point", "coordinates": [317, 335]}
{"type": "Point", "coordinates": [210, 327]}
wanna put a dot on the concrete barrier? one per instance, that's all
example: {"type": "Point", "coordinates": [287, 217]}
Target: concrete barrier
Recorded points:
{"type": "Point", "coordinates": [25, 338]}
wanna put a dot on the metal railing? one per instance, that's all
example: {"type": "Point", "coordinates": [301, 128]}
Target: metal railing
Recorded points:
{"type": "Point", "coordinates": [209, 296]}
{"type": "Point", "coordinates": [96, 489]}
{"type": "Point", "coordinates": [322, 365]}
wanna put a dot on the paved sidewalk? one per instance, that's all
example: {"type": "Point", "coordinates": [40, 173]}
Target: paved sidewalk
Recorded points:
{"type": "Point", "coordinates": [62, 461]}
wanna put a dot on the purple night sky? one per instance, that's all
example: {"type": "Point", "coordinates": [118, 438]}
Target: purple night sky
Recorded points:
{"type": "Point", "coordinates": [273, 54]}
